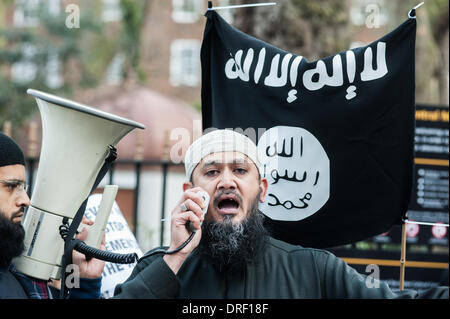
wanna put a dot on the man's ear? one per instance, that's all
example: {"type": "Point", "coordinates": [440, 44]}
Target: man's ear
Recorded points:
{"type": "Point", "coordinates": [263, 186]}
{"type": "Point", "coordinates": [187, 185]}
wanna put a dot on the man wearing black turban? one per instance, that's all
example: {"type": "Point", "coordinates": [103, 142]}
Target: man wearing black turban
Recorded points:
{"type": "Point", "coordinates": [13, 201]}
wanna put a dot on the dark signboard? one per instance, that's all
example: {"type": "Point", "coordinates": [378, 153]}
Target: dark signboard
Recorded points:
{"type": "Point", "coordinates": [427, 246]}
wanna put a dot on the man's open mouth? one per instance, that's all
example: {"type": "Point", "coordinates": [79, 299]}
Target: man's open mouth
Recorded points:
{"type": "Point", "coordinates": [228, 204]}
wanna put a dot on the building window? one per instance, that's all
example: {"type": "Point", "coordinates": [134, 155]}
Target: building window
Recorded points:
{"type": "Point", "coordinates": [111, 11]}
{"type": "Point", "coordinates": [26, 13]}
{"type": "Point", "coordinates": [53, 77]}
{"type": "Point", "coordinates": [54, 7]}
{"type": "Point", "coordinates": [114, 72]}
{"type": "Point", "coordinates": [185, 62]}
{"type": "Point", "coordinates": [187, 11]}
{"type": "Point", "coordinates": [25, 70]}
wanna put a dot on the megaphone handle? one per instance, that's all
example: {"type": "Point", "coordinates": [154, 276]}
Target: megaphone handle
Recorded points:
{"type": "Point", "coordinates": [96, 232]}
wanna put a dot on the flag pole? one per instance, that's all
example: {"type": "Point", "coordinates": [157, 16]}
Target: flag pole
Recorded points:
{"type": "Point", "coordinates": [411, 15]}
{"type": "Point", "coordinates": [403, 247]}
{"type": "Point", "coordinates": [403, 257]}
{"type": "Point", "coordinates": [412, 12]}
{"type": "Point", "coordinates": [210, 7]}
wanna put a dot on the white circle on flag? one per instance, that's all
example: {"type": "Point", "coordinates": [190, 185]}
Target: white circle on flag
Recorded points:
{"type": "Point", "coordinates": [297, 169]}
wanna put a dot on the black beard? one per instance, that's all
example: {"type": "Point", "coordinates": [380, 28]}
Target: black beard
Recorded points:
{"type": "Point", "coordinates": [11, 240]}
{"type": "Point", "coordinates": [231, 246]}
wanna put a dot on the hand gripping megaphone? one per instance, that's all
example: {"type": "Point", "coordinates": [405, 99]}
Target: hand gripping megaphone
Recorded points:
{"type": "Point", "coordinates": [75, 142]}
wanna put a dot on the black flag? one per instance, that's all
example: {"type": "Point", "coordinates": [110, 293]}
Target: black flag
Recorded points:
{"type": "Point", "coordinates": [335, 136]}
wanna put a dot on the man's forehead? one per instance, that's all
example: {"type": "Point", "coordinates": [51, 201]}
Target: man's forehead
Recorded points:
{"type": "Point", "coordinates": [225, 158]}
{"type": "Point", "coordinates": [16, 172]}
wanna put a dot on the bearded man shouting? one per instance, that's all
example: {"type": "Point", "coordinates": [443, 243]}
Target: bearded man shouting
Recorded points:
{"type": "Point", "coordinates": [231, 254]}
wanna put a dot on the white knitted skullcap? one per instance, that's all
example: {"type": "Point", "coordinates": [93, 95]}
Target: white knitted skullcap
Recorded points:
{"type": "Point", "coordinates": [219, 141]}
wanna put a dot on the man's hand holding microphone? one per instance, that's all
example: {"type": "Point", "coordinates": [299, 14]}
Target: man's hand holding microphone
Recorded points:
{"type": "Point", "coordinates": [186, 218]}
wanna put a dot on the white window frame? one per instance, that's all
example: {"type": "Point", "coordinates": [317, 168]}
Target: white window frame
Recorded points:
{"type": "Point", "coordinates": [113, 74]}
{"type": "Point", "coordinates": [185, 73]}
{"type": "Point", "coordinates": [54, 7]}
{"type": "Point", "coordinates": [20, 18]}
{"type": "Point", "coordinates": [181, 15]}
{"type": "Point", "coordinates": [25, 70]}
{"type": "Point", "coordinates": [111, 11]}
{"type": "Point", "coordinates": [53, 72]}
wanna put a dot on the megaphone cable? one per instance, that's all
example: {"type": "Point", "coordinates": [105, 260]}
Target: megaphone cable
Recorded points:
{"type": "Point", "coordinates": [168, 252]}
{"type": "Point", "coordinates": [92, 252]}
{"type": "Point", "coordinates": [116, 258]}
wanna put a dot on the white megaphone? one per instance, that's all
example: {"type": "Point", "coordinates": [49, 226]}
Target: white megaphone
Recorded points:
{"type": "Point", "coordinates": [75, 141]}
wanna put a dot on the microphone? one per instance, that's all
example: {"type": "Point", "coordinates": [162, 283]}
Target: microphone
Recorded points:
{"type": "Point", "coordinates": [189, 226]}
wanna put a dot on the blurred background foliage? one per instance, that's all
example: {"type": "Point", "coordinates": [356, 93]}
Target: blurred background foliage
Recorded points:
{"type": "Point", "coordinates": [313, 29]}
{"type": "Point", "coordinates": [81, 64]}
{"type": "Point", "coordinates": [83, 53]}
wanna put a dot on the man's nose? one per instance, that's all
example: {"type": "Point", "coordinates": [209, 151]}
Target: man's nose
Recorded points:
{"type": "Point", "coordinates": [227, 180]}
{"type": "Point", "coordinates": [23, 199]}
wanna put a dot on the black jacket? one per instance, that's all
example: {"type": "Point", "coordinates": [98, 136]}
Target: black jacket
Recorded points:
{"type": "Point", "coordinates": [10, 287]}
{"type": "Point", "coordinates": [286, 271]}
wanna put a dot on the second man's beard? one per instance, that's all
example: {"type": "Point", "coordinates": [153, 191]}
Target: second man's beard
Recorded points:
{"type": "Point", "coordinates": [11, 240]}
{"type": "Point", "coordinates": [230, 246]}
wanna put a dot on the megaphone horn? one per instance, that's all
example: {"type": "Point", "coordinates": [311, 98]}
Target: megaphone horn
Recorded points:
{"type": "Point", "coordinates": [75, 141]}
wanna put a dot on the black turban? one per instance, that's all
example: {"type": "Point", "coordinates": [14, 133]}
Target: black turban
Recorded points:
{"type": "Point", "coordinates": [10, 152]}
